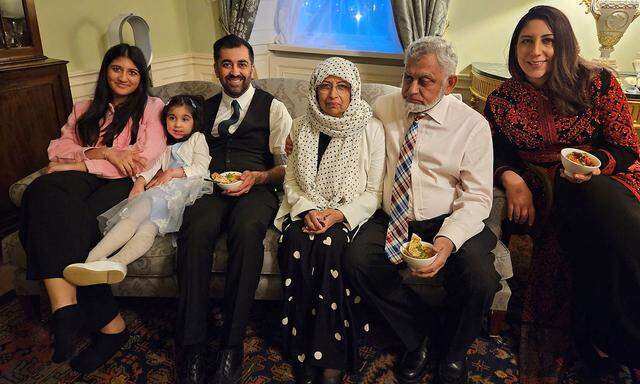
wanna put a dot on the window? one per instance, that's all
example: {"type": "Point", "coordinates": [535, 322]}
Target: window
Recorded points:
{"type": "Point", "coordinates": [354, 25]}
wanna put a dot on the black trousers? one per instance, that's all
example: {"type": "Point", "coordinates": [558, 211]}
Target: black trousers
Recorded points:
{"type": "Point", "coordinates": [59, 227]}
{"type": "Point", "coordinates": [601, 227]}
{"type": "Point", "coordinates": [469, 279]}
{"type": "Point", "coordinates": [245, 219]}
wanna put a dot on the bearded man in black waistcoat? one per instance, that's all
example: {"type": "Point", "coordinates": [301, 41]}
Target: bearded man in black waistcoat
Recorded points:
{"type": "Point", "coordinates": [246, 129]}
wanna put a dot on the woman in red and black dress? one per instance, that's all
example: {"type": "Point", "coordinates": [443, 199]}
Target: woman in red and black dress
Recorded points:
{"type": "Point", "coordinates": [585, 269]}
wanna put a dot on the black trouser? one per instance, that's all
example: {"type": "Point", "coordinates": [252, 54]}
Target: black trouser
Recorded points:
{"type": "Point", "coordinates": [601, 232]}
{"type": "Point", "coordinates": [245, 219]}
{"type": "Point", "coordinates": [469, 278]}
{"type": "Point", "coordinates": [59, 227]}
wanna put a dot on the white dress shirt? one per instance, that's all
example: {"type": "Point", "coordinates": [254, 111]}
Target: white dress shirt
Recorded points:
{"type": "Point", "coordinates": [279, 120]}
{"type": "Point", "coordinates": [371, 169]}
{"type": "Point", "coordinates": [452, 169]}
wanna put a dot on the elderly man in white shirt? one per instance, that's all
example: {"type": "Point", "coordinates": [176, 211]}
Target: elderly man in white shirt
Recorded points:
{"type": "Point", "coordinates": [438, 185]}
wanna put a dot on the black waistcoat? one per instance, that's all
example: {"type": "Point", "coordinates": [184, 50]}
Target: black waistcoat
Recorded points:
{"type": "Point", "coordinates": [247, 149]}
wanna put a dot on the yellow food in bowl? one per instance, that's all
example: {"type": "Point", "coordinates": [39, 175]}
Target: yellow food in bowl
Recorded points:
{"type": "Point", "coordinates": [581, 159]}
{"type": "Point", "coordinates": [225, 177]}
{"type": "Point", "coordinates": [417, 249]}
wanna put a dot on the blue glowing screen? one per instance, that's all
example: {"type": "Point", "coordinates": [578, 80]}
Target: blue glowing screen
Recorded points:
{"type": "Point", "coordinates": [356, 25]}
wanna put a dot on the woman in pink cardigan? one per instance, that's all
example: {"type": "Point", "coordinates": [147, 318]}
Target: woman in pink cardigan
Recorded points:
{"type": "Point", "coordinates": [105, 141]}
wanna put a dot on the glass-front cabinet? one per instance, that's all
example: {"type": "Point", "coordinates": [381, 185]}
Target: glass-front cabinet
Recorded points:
{"type": "Point", "coordinates": [19, 34]}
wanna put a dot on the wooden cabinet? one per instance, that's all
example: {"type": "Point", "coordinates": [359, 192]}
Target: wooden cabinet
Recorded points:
{"type": "Point", "coordinates": [35, 101]}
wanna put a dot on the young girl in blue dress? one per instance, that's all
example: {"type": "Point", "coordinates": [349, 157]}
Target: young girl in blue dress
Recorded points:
{"type": "Point", "coordinates": [156, 201]}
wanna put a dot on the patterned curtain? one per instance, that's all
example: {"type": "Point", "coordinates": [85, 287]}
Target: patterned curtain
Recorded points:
{"type": "Point", "coordinates": [237, 16]}
{"type": "Point", "coordinates": [418, 18]}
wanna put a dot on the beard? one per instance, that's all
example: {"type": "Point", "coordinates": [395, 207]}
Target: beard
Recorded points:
{"type": "Point", "coordinates": [422, 108]}
{"type": "Point", "coordinates": [235, 91]}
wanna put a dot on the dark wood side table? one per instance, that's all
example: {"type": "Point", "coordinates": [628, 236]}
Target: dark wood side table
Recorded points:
{"type": "Point", "coordinates": [485, 77]}
{"type": "Point", "coordinates": [35, 101]}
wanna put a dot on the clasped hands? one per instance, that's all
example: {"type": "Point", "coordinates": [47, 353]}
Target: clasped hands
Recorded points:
{"type": "Point", "coordinates": [128, 161]}
{"type": "Point", "coordinates": [318, 221]}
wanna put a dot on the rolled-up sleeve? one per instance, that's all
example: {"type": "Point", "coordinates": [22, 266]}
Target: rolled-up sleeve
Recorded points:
{"type": "Point", "coordinates": [280, 124]}
{"type": "Point", "coordinates": [68, 148]}
{"type": "Point", "coordinates": [475, 192]}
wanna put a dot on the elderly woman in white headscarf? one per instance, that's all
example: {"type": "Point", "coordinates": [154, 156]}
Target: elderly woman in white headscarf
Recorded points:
{"type": "Point", "coordinates": [333, 184]}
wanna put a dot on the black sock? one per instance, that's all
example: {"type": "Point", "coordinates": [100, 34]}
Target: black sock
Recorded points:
{"type": "Point", "coordinates": [102, 349]}
{"type": "Point", "coordinates": [65, 323]}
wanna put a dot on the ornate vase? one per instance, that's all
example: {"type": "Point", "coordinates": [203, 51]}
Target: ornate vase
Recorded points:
{"type": "Point", "coordinates": [613, 17]}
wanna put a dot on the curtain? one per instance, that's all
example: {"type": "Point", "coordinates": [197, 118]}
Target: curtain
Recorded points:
{"type": "Point", "coordinates": [237, 16]}
{"type": "Point", "coordinates": [419, 18]}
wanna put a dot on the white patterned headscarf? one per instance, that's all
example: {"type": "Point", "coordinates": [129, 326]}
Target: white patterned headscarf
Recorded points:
{"type": "Point", "coordinates": [335, 182]}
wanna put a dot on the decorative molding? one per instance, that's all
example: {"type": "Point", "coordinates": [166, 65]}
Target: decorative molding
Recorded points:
{"type": "Point", "coordinates": [299, 66]}
{"type": "Point", "coordinates": [172, 69]}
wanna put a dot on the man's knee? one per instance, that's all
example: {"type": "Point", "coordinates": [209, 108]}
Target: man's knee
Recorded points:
{"type": "Point", "coordinates": [198, 231]}
{"type": "Point", "coordinates": [248, 228]}
{"type": "Point", "coordinates": [357, 259]}
{"type": "Point", "coordinates": [479, 274]}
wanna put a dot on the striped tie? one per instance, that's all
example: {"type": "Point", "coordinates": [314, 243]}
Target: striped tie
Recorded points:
{"type": "Point", "coordinates": [398, 230]}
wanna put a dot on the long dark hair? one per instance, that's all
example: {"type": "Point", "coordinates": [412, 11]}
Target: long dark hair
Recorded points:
{"type": "Point", "coordinates": [194, 103]}
{"type": "Point", "coordinates": [88, 126]}
{"type": "Point", "coordinates": [570, 75]}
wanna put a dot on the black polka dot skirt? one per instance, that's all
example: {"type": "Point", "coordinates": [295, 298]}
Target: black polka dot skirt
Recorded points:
{"type": "Point", "coordinates": [321, 321]}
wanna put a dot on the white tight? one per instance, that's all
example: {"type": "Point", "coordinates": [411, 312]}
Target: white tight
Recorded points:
{"type": "Point", "coordinates": [135, 232]}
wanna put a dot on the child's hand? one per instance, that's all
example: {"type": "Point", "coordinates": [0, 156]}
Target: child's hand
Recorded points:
{"type": "Point", "coordinates": [60, 167]}
{"type": "Point", "coordinates": [128, 161]}
{"type": "Point", "coordinates": [136, 190]}
{"type": "Point", "coordinates": [163, 177]}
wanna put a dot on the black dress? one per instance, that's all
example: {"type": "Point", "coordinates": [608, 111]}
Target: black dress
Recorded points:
{"type": "Point", "coordinates": [321, 322]}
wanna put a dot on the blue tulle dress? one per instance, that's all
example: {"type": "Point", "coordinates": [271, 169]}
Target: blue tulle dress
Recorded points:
{"type": "Point", "coordinates": [167, 201]}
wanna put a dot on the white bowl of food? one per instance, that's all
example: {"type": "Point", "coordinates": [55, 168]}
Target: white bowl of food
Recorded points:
{"type": "Point", "coordinates": [227, 180]}
{"type": "Point", "coordinates": [417, 253]}
{"type": "Point", "coordinates": [578, 161]}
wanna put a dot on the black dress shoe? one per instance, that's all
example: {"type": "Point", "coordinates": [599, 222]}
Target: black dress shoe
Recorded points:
{"type": "Point", "coordinates": [337, 379]}
{"type": "Point", "coordinates": [413, 363]}
{"type": "Point", "coordinates": [452, 372]}
{"type": "Point", "coordinates": [593, 366]}
{"type": "Point", "coordinates": [191, 371]}
{"type": "Point", "coordinates": [306, 374]}
{"type": "Point", "coordinates": [229, 366]}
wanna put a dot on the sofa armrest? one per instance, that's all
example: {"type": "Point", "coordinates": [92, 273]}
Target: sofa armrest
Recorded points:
{"type": "Point", "coordinates": [16, 190]}
{"type": "Point", "coordinates": [498, 212]}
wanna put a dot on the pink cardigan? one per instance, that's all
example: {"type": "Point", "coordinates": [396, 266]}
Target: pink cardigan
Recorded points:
{"type": "Point", "coordinates": [151, 139]}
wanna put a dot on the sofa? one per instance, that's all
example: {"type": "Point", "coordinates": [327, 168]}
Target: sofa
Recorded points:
{"type": "Point", "coordinates": [154, 273]}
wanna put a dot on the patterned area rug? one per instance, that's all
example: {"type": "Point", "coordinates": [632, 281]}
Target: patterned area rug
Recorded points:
{"type": "Point", "coordinates": [148, 357]}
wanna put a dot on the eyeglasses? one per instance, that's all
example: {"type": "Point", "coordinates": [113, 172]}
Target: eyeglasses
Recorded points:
{"type": "Point", "coordinates": [340, 87]}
